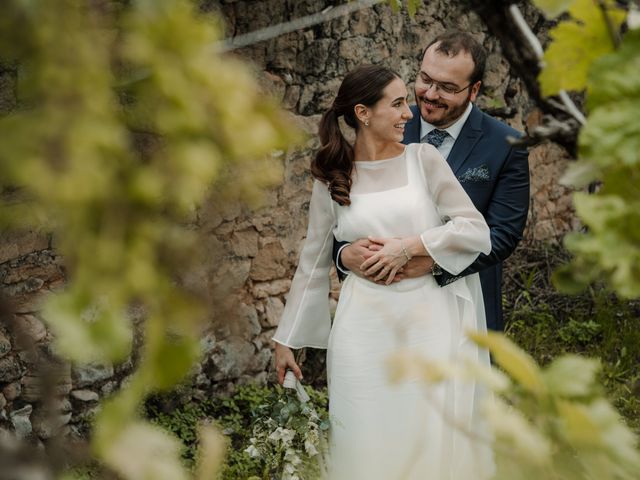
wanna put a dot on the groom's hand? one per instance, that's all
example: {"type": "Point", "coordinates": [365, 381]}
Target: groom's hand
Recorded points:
{"type": "Point", "coordinates": [416, 267]}
{"type": "Point", "coordinates": [352, 256]}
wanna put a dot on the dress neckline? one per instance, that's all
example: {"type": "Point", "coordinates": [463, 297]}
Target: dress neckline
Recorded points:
{"type": "Point", "coordinates": [381, 162]}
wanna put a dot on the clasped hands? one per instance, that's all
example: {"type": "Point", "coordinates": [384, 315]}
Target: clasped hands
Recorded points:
{"type": "Point", "coordinates": [383, 260]}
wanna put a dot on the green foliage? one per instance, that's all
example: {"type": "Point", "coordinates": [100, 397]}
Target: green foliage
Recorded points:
{"type": "Point", "coordinates": [244, 417]}
{"type": "Point", "coordinates": [564, 428]}
{"type": "Point", "coordinates": [554, 421]}
{"type": "Point", "coordinates": [577, 42]}
{"type": "Point", "coordinates": [290, 438]}
{"type": "Point", "coordinates": [113, 148]}
{"type": "Point", "coordinates": [588, 51]}
{"type": "Point", "coordinates": [610, 146]}
{"type": "Point", "coordinates": [595, 324]}
{"type": "Point", "coordinates": [580, 333]}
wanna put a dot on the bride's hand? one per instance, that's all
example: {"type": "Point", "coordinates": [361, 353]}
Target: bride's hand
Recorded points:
{"type": "Point", "coordinates": [385, 263]}
{"type": "Point", "coordinates": [286, 361]}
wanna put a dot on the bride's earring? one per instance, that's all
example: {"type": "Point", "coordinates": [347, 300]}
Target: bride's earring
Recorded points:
{"type": "Point", "coordinates": [366, 123]}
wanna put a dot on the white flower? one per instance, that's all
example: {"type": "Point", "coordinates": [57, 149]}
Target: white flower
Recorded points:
{"type": "Point", "coordinates": [252, 451]}
{"type": "Point", "coordinates": [310, 447]}
{"type": "Point", "coordinates": [291, 456]}
{"type": "Point", "coordinates": [283, 435]}
{"type": "Point", "coordinates": [289, 472]}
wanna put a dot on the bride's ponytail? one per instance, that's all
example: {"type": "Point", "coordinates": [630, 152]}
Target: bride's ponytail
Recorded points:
{"type": "Point", "coordinates": [333, 163]}
{"type": "Point", "coordinates": [334, 160]}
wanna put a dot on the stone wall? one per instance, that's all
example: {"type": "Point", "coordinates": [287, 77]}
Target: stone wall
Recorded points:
{"type": "Point", "coordinates": [259, 248]}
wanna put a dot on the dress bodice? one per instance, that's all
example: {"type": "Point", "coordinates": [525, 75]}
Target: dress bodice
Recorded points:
{"type": "Point", "coordinates": [413, 194]}
{"type": "Point", "coordinates": [405, 209]}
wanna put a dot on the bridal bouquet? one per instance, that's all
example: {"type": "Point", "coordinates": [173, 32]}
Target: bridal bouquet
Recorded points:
{"type": "Point", "coordinates": [289, 434]}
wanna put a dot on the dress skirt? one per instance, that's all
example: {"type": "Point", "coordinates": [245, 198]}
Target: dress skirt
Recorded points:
{"type": "Point", "coordinates": [408, 430]}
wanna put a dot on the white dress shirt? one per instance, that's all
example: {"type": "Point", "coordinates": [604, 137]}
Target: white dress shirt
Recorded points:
{"type": "Point", "coordinates": [453, 131]}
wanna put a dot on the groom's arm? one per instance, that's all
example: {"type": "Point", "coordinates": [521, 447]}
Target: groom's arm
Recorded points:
{"type": "Point", "coordinates": [337, 250]}
{"type": "Point", "coordinates": [506, 215]}
{"type": "Point", "coordinates": [348, 256]}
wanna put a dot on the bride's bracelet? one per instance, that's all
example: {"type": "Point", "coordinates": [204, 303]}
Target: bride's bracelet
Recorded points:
{"type": "Point", "coordinates": [404, 250]}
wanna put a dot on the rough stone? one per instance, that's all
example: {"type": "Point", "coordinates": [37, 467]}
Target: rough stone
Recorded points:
{"type": "Point", "coordinates": [351, 50]}
{"type": "Point", "coordinates": [245, 243]}
{"type": "Point", "coordinates": [3, 401]}
{"type": "Point", "coordinates": [5, 345]}
{"type": "Point", "coordinates": [21, 421]}
{"type": "Point", "coordinates": [272, 85]}
{"type": "Point", "coordinates": [32, 284]}
{"type": "Point", "coordinates": [363, 23]}
{"type": "Point", "coordinates": [268, 263]}
{"type": "Point", "coordinates": [313, 59]}
{"type": "Point", "coordinates": [14, 244]}
{"type": "Point", "coordinates": [261, 360]}
{"type": "Point", "coordinates": [32, 327]}
{"type": "Point", "coordinates": [291, 97]}
{"type": "Point", "coordinates": [86, 375]}
{"type": "Point", "coordinates": [10, 369]}
{"type": "Point", "coordinates": [248, 318]}
{"type": "Point", "coordinates": [232, 274]}
{"type": "Point", "coordinates": [231, 358]}
{"type": "Point", "coordinates": [267, 289]}
{"type": "Point", "coordinates": [202, 379]}
{"type": "Point", "coordinates": [47, 424]}
{"type": "Point", "coordinates": [31, 388]}
{"type": "Point", "coordinates": [85, 395]}
{"type": "Point", "coordinates": [207, 343]}
{"type": "Point", "coordinates": [551, 214]}
{"type": "Point", "coordinates": [109, 387]}
{"type": "Point", "coordinates": [273, 311]}
{"type": "Point", "coordinates": [264, 339]}
{"type": "Point", "coordinates": [12, 391]}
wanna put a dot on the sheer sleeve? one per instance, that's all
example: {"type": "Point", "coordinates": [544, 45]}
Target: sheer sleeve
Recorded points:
{"type": "Point", "coordinates": [306, 320]}
{"type": "Point", "coordinates": [464, 234]}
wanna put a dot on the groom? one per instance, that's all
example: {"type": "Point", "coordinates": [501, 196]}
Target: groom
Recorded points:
{"type": "Point", "coordinates": [494, 173]}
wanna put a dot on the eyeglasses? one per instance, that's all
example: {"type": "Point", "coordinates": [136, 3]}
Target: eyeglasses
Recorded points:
{"type": "Point", "coordinates": [447, 91]}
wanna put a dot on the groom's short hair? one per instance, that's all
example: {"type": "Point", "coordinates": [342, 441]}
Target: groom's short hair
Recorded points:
{"type": "Point", "coordinates": [453, 42]}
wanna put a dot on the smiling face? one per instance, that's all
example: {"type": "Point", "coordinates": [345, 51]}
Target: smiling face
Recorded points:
{"type": "Point", "coordinates": [443, 87]}
{"type": "Point", "coordinates": [388, 117]}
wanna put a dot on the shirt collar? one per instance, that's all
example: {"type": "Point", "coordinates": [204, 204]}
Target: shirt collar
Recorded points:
{"type": "Point", "coordinates": [453, 130]}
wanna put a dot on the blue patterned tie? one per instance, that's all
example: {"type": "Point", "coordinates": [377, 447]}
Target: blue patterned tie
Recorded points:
{"type": "Point", "coordinates": [435, 137]}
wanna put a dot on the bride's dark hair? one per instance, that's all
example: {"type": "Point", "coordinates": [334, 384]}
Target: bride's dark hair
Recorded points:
{"type": "Point", "coordinates": [334, 162]}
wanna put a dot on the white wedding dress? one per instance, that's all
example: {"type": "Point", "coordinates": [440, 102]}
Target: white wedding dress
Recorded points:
{"type": "Point", "coordinates": [410, 430]}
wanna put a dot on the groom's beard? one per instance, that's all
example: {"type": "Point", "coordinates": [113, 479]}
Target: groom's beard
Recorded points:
{"type": "Point", "coordinates": [445, 113]}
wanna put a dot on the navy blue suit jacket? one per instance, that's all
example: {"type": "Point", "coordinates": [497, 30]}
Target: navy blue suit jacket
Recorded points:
{"type": "Point", "coordinates": [495, 175]}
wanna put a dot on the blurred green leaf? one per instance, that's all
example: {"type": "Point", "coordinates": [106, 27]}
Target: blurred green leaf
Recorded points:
{"type": "Point", "coordinates": [576, 43]}
{"type": "Point", "coordinates": [513, 429]}
{"type": "Point", "coordinates": [571, 376]}
{"type": "Point", "coordinates": [144, 451]}
{"type": "Point", "coordinates": [518, 364]}
{"type": "Point", "coordinates": [114, 148]}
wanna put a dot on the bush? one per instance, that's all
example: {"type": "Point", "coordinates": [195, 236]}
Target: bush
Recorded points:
{"type": "Point", "coordinates": [241, 417]}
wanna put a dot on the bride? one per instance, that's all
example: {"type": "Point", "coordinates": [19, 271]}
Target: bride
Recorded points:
{"type": "Point", "coordinates": [406, 199]}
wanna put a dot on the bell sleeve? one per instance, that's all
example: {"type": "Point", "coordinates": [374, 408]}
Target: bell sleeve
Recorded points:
{"type": "Point", "coordinates": [306, 320]}
{"type": "Point", "coordinates": [464, 234]}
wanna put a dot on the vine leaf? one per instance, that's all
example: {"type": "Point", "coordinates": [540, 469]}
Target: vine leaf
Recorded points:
{"type": "Point", "coordinates": [577, 42]}
{"type": "Point", "coordinates": [609, 146]}
{"type": "Point", "coordinates": [520, 365]}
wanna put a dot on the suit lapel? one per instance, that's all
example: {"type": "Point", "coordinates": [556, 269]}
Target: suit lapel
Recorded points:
{"type": "Point", "coordinates": [469, 136]}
